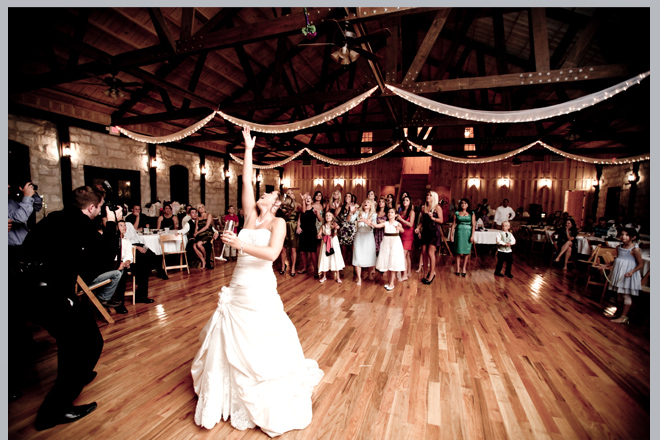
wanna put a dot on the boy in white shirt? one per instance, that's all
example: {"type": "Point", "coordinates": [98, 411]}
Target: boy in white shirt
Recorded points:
{"type": "Point", "coordinates": [504, 240]}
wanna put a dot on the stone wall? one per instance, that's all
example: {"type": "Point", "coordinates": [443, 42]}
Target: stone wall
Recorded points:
{"type": "Point", "coordinates": [617, 176]}
{"type": "Point", "coordinates": [115, 152]}
{"type": "Point", "coordinates": [41, 137]}
{"type": "Point", "coordinates": [106, 151]}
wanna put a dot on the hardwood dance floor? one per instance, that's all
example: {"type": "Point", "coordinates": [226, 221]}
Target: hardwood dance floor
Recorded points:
{"type": "Point", "coordinates": [465, 358]}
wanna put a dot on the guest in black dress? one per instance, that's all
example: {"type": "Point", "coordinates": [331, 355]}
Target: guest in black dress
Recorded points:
{"type": "Point", "coordinates": [566, 243]}
{"type": "Point", "coordinates": [308, 234]}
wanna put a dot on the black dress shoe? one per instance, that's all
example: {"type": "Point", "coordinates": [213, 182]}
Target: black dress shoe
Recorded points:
{"type": "Point", "coordinates": [73, 414]}
{"type": "Point", "coordinates": [498, 274]}
{"type": "Point", "coordinates": [144, 300]}
{"type": "Point", "coordinates": [509, 275]}
{"type": "Point", "coordinates": [109, 302]}
{"type": "Point", "coordinates": [209, 265]}
{"type": "Point", "coordinates": [121, 309]}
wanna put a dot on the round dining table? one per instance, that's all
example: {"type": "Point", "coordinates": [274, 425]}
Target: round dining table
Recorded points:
{"type": "Point", "coordinates": [152, 241]}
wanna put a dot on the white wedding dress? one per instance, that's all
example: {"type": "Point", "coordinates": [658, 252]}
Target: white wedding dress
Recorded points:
{"type": "Point", "coordinates": [250, 367]}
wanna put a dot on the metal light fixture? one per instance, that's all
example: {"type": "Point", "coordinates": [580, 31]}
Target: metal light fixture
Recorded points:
{"type": "Point", "coordinates": [473, 182]}
{"type": "Point", "coordinates": [594, 183]}
{"type": "Point", "coordinates": [202, 169]}
{"type": "Point", "coordinates": [260, 178]}
{"type": "Point", "coordinates": [358, 181]}
{"type": "Point", "coordinates": [66, 151]}
{"type": "Point", "coordinates": [228, 173]}
{"type": "Point", "coordinates": [632, 177]}
{"type": "Point", "coordinates": [504, 181]}
{"type": "Point", "coordinates": [345, 56]}
{"type": "Point", "coordinates": [339, 181]}
{"type": "Point", "coordinates": [153, 163]}
{"type": "Point", "coordinates": [286, 182]}
{"type": "Point", "coordinates": [318, 181]}
{"type": "Point", "coordinates": [545, 182]}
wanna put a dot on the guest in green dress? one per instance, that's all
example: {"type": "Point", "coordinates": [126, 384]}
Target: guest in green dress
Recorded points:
{"type": "Point", "coordinates": [462, 233]}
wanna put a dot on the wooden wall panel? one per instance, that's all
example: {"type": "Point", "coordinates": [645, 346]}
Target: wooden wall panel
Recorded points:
{"type": "Point", "coordinates": [524, 187]}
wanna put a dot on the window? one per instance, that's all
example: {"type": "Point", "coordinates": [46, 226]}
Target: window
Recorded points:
{"type": "Point", "coordinates": [367, 136]}
{"type": "Point", "coordinates": [179, 184]}
{"type": "Point", "coordinates": [469, 134]}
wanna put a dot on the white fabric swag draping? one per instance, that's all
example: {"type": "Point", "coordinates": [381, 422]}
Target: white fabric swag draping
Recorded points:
{"type": "Point", "coordinates": [284, 128]}
{"type": "Point", "coordinates": [343, 163]}
{"type": "Point", "coordinates": [535, 114]}
{"type": "Point", "coordinates": [613, 161]}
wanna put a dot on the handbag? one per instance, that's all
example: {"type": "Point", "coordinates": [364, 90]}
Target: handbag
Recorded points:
{"type": "Point", "coordinates": [330, 252]}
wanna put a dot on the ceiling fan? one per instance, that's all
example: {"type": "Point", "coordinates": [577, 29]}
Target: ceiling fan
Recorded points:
{"type": "Point", "coordinates": [349, 45]}
{"type": "Point", "coordinates": [116, 87]}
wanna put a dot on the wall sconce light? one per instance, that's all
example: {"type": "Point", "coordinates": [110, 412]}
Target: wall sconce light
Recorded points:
{"type": "Point", "coordinates": [66, 151]}
{"type": "Point", "coordinates": [546, 182]}
{"type": "Point", "coordinates": [202, 169]}
{"type": "Point", "coordinates": [632, 177]}
{"type": "Point", "coordinates": [153, 163]}
{"type": "Point", "coordinates": [339, 181]}
{"type": "Point", "coordinates": [473, 182]}
{"type": "Point", "coordinates": [595, 183]}
{"type": "Point", "coordinates": [318, 181]}
{"type": "Point", "coordinates": [260, 178]}
{"type": "Point", "coordinates": [358, 181]}
{"type": "Point", "coordinates": [504, 181]}
{"type": "Point", "coordinates": [228, 173]}
{"type": "Point", "coordinates": [286, 182]}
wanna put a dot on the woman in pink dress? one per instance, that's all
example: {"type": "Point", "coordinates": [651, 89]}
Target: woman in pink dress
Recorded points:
{"type": "Point", "coordinates": [407, 220]}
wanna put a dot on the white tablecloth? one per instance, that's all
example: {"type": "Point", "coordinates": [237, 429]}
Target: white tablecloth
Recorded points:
{"type": "Point", "coordinates": [486, 237]}
{"type": "Point", "coordinates": [152, 241]}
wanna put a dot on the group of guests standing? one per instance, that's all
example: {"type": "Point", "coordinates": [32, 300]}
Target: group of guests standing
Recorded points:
{"type": "Point", "coordinates": [376, 234]}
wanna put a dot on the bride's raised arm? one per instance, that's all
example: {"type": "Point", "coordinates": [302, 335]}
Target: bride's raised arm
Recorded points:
{"type": "Point", "coordinates": [249, 204]}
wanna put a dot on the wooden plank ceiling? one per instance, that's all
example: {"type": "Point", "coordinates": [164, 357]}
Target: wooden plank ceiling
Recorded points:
{"type": "Point", "coordinates": [169, 67]}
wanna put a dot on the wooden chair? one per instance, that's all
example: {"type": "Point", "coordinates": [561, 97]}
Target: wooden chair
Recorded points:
{"type": "Point", "coordinates": [603, 255]}
{"type": "Point", "coordinates": [175, 239]}
{"type": "Point", "coordinates": [538, 237]}
{"type": "Point", "coordinates": [444, 240]}
{"type": "Point", "coordinates": [87, 290]}
{"type": "Point", "coordinates": [132, 292]}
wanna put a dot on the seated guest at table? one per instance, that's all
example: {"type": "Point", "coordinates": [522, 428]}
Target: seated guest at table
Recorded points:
{"type": "Point", "coordinates": [203, 233]}
{"type": "Point", "coordinates": [485, 218]}
{"type": "Point", "coordinates": [186, 218]}
{"type": "Point", "coordinates": [600, 230]}
{"type": "Point", "coordinates": [167, 219]}
{"type": "Point", "coordinates": [503, 213]}
{"type": "Point", "coordinates": [561, 220]}
{"type": "Point", "coordinates": [566, 243]}
{"type": "Point", "coordinates": [127, 264]}
{"type": "Point", "coordinates": [145, 256]}
{"type": "Point", "coordinates": [635, 223]}
{"type": "Point", "coordinates": [137, 219]}
{"type": "Point", "coordinates": [588, 224]}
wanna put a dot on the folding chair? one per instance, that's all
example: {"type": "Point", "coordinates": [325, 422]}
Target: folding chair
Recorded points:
{"type": "Point", "coordinates": [444, 240]}
{"type": "Point", "coordinates": [87, 290]}
{"type": "Point", "coordinates": [605, 255]}
{"type": "Point", "coordinates": [538, 237]}
{"type": "Point", "coordinates": [174, 239]}
{"type": "Point", "coordinates": [132, 292]}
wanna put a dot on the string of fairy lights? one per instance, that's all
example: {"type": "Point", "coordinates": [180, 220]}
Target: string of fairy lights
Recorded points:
{"type": "Point", "coordinates": [529, 115]}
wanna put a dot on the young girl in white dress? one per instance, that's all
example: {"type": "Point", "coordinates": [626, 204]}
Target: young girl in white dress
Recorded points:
{"type": "Point", "coordinates": [626, 278]}
{"type": "Point", "coordinates": [391, 258]}
{"type": "Point", "coordinates": [250, 367]}
{"type": "Point", "coordinates": [330, 243]}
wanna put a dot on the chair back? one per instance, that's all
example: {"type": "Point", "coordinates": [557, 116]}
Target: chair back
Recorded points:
{"type": "Point", "coordinates": [607, 254]}
{"type": "Point", "coordinates": [169, 238]}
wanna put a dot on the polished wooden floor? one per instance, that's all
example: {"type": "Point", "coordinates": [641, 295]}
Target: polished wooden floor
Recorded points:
{"type": "Point", "coordinates": [464, 358]}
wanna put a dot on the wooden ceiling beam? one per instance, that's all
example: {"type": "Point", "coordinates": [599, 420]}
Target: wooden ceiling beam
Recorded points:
{"type": "Point", "coordinates": [165, 36]}
{"type": "Point", "coordinates": [459, 38]}
{"type": "Point", "coordinates": [159, 82]}
{"type": "Point", "coordinates": [519, 79]}
{"type": "Point", "coordinates": [194, 78]}
{"type": "Point", "coordinates": [540, 34]}
{"type": "Point", "coordinates": [81, 28]}
{"type": "Point", "coordinates": [187, 23]}
{"type": "Point", "coordinates": [577, 53]}
{"type": "Point", "coordinates": [428, 43]}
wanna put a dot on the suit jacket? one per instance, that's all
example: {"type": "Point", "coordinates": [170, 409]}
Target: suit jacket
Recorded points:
{"type": "Point", "coordinates": [68, 244]}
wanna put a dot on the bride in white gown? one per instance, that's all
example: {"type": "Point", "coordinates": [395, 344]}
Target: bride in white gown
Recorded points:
{"type": "Point", "coordinates": [250, 367]}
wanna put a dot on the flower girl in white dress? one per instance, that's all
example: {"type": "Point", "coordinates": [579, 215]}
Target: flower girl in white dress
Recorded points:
{"type": "Point", "coordinates": [330, 258]}
{"type": "Point", "coordinates": [250, 367]}
{"type": "Point", "coordinates": [391, 258]}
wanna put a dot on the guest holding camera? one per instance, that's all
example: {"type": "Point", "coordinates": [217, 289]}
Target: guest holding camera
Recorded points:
{"type": "Point", "coordinates": [60, 258]}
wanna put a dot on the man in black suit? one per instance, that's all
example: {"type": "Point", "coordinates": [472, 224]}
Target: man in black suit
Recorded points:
{"type": "Point", "coordinates": [64, 245]}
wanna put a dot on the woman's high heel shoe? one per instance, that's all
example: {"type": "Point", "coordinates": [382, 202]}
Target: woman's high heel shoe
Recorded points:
{"type": "Point", "coordinates": [621, 320]}
{"type": "Point", "coordinates": [429, 281]}
{"type": "Point", "coordinates": [464, 274]}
